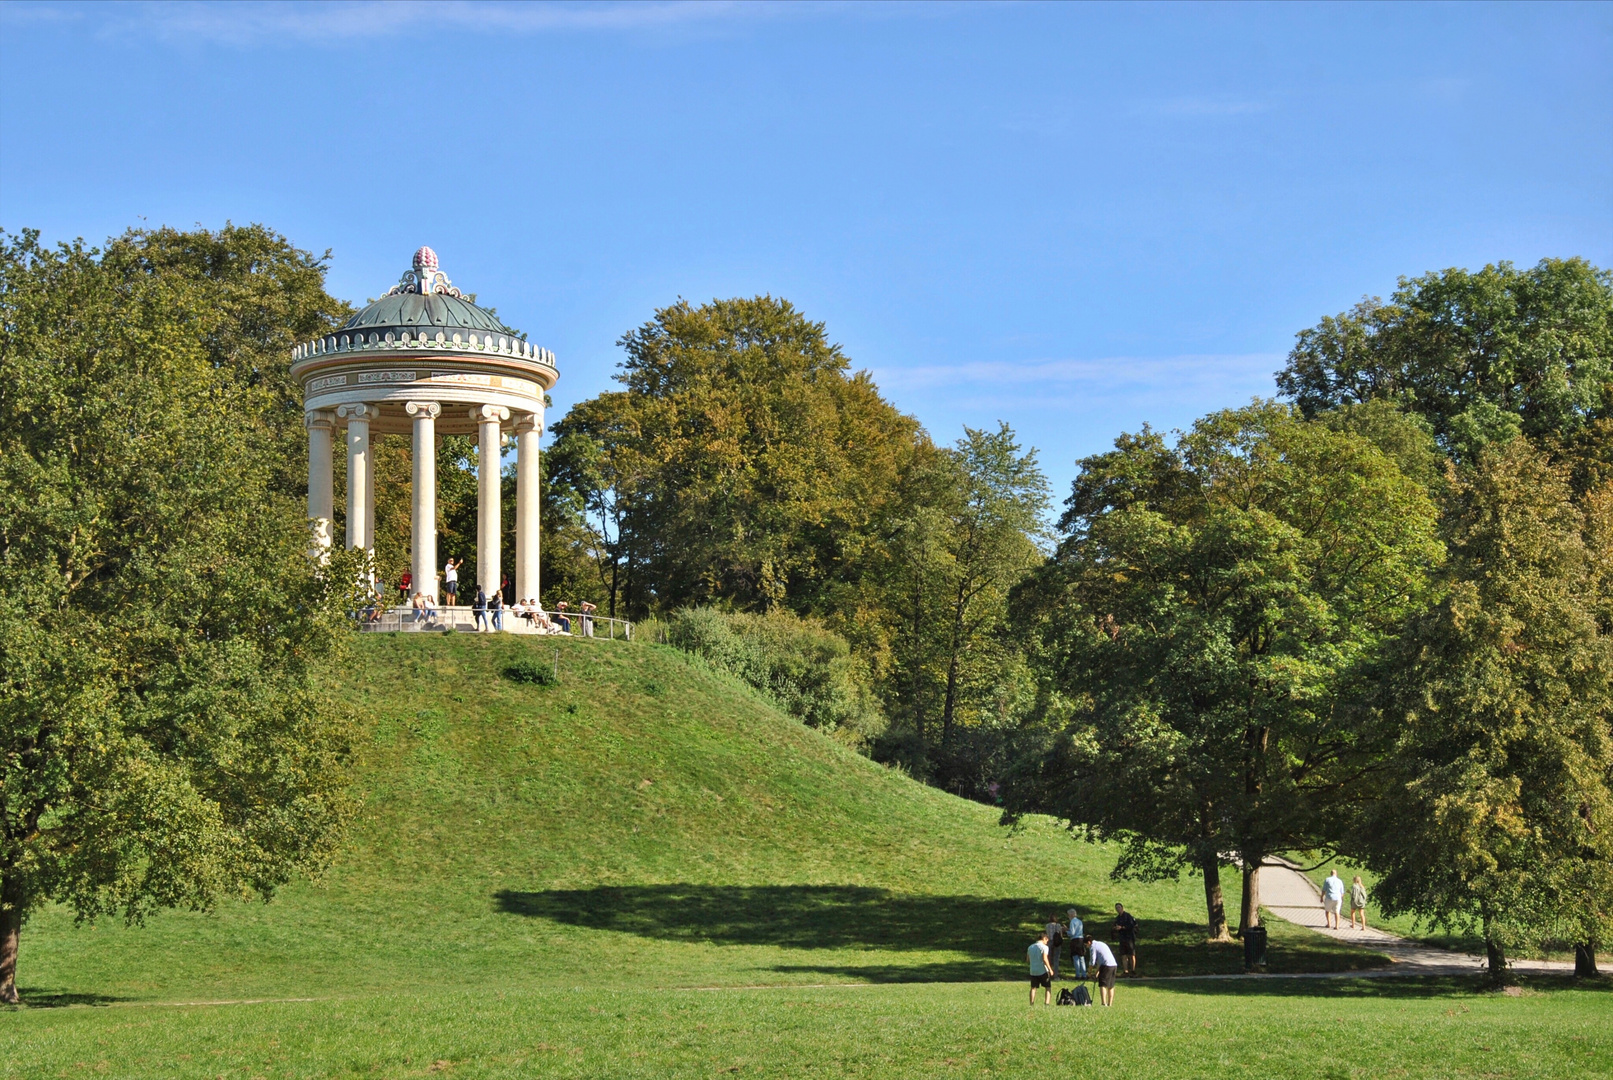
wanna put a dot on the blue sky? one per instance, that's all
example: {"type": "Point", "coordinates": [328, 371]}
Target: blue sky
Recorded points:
{"type": "Point", "coordinates": [1074, 218]}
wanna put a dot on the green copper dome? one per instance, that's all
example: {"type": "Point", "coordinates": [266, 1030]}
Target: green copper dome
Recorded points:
{"type": "Point", "coordinates": [414, 312]}
{"type": "Point", "coordinates": [425, 298]}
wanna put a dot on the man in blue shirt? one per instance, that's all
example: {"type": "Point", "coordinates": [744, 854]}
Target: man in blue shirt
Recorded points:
{"type": "Point", "coordinates": [1332, 897]}
{"type": "Point", "coordinates": [1078, 956]}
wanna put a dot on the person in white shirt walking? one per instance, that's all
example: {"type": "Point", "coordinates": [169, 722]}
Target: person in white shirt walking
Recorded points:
{"type": "Point", "coordinates": [1041, 971]}
{"type": "Point", "coordinates": [1101, 958]}
{"type": "Point", "coordinates": [1332, 899]}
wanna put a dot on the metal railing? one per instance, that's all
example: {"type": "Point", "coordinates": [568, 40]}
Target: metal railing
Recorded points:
{"type": "Point", "coordinates": [396, 620]}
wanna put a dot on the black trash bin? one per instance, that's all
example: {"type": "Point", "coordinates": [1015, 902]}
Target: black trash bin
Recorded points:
{"type": "Point", "coordinates": [1254, 948]}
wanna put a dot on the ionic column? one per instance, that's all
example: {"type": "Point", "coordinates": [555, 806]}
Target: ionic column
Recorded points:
{"type": "Point", "coordinates": [528, 429]}
{"type": "Point", "coordinates": [489, 518]}
{"type": "Point", "coordinates": [423, 541]}
{"type": "Point", "coordinates": [369, 500]}
{"type": "Point", "coordinates": [360, 475]}
{"type": "Point", "coordinates": [321, 477]}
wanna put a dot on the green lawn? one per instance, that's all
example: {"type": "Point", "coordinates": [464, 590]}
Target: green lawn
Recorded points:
{"type": "Point", "coordinates": [561, 866]}
{"type": "Point", "coordinates": [1275, 1028]}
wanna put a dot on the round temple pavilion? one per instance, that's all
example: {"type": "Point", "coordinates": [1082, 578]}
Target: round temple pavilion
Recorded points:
{"type": "Point", "coordinates": [424, 359]}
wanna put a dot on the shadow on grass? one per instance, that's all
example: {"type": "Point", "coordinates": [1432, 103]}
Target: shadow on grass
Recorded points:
{"type": "Point", "coordinates": [60, 999]}
{"type": "Point", "coordinates": [991, 933]}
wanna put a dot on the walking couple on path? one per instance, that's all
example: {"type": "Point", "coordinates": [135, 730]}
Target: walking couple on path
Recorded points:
{"type": "Point", "coordinates": [1333, 900]}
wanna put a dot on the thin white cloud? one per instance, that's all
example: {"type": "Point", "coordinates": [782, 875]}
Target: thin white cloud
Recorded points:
{"type": "Point", "coordinates": [1123, 375]}
{"type": "Point", "coordinates": [252, 22]}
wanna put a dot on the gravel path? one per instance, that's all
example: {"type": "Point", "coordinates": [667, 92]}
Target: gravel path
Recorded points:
{"type": "Point", "coordinates": [1289, 894]}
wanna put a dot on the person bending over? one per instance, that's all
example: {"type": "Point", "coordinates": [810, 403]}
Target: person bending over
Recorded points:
{"type": "Point", "coordinates": [1102, 961]}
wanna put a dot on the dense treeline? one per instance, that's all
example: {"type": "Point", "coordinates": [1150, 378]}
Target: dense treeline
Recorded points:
{"type": "Point", "coordinates": [743, 465]}
{"type": "Point", "coordinates": [1374, 620]}
{"type": "Point", "coordinates": [1377, 623]}
{"type": "Point", "coordinates": [1373, 617]}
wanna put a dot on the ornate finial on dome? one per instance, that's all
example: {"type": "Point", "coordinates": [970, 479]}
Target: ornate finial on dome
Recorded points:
{"type": "Point", "coordinates": [425, 277]}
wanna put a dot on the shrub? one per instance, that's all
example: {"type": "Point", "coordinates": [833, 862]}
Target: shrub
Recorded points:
{"type": "Point", "coordinates": [531, 671]}
{"type": "Point", "coordinates": [807, 669]}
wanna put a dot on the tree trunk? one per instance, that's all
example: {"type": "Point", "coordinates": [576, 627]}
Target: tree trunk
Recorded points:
{"type": "Point", "coordinates": [918, 665]}
{"type": "Point", "coordinates": [10, 931]}
{"type": "Point", "coordinates": [1495, 955]}
{"type": "Point", "coordinates": [1585, 961]}
{"type": "Point", "coordinates": [948, 709]}
{"type": "Point", "coordinates": [1250, 915]}
{"type": "Point", "coordinates": [1214, 904]}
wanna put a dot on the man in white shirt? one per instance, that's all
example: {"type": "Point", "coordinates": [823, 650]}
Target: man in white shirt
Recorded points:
{"type": "Point", "coordinates": [1041, 973]}
{"type": "Point", "coordinates": [1332, 898]}
{"type": "Point", "coordinates": [1099, 956]}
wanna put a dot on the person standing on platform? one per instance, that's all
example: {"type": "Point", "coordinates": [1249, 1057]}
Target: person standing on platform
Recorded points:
{"type": "Point", "coordinates": [450, 581]}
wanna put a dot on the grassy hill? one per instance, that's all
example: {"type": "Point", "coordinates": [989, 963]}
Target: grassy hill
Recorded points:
{"type": "Point", "coordinates": [647, 871]}
{"type": "Point", "coordinates": [646, 820]}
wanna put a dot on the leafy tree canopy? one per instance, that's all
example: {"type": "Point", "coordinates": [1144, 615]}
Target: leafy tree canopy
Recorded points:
{"type": "Point", "coordinates": [162, 741]}
{"type": "Point", "coordinates": [1481, 355]}
{"type": "Point", "coordinates": [743, 460]}
{"type": "Point", "coordinates": [1211, 613]}
{"type": "Point", "coordinates": [1500, 809]}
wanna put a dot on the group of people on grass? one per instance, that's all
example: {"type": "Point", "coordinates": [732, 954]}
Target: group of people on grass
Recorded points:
{"type": "Point", "coordinates": [1089, 957]}
{"type": "Point", "coordinates": [487, 609]}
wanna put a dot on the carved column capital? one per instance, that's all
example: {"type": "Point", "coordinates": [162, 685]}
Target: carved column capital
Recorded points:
{"type": "Point", "coordinates": [484, 413]}
{"type": "Point", "coordinates": [319, 420]}
{"type": "Point", "coordinates": [528, 422]}
{"type": "Point", "coordinates": [366, 412]}
{"type": "Point", "coordinates": [418, 409]}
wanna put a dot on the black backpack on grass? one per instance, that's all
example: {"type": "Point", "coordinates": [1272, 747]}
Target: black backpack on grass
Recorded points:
{"type": "Point", "coordinates": [1081, 996]}
{"type": "Point", "coordinates": [1065, 997]}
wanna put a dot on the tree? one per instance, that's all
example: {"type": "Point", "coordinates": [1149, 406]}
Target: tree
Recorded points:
{"type": "Point", "coordinates": [595, 471]}
{"type": "Point", "coordinates": [1499, 812]}
{"type": "Point", "coordinates": [759, 463]}
{"type": "Point", "coordinates": [1482, 356]}
{"type": "Point", "coordinates": [162, 739]}
{"type": "Point", "coordinates": [1210, 615]}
